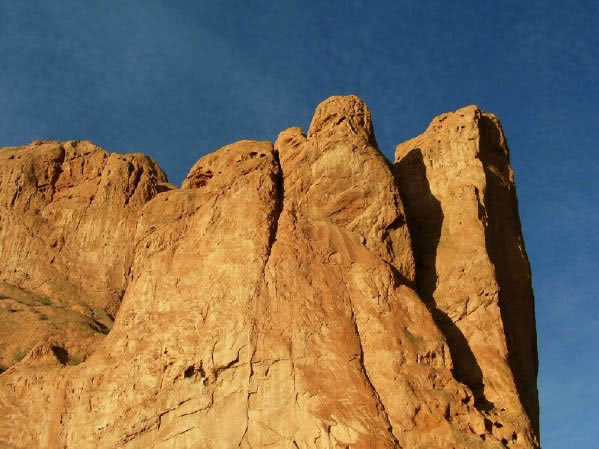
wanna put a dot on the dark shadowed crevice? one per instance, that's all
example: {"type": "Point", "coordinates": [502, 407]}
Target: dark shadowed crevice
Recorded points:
{"type": "Point", "coordinates": [133, 179]}
{"type": "Point", "coordinates": [424, 217]}
{"type": "Point", "coordinates": [61, 354]}
{"type": "Point", "coordinates": [99, 327]}
{"type": "Point", "coordinates": [425, 220]}
{"type": "Point", "coordinates": [162, 187]}
{"type": "Point", "coordinates": [58, 169]}
{"type": "Point", "coordinates": [398, 278]}
{"type": "Point", "coordinates": [397, 223]}
{"type": "Point", "coordinates": [503, 239]}
{"type": "Point", "coordinates": [279, 198]}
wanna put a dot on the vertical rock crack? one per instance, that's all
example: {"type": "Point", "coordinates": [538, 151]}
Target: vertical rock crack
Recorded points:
{"type": "Point", "coordinates": [375, 393]}
{"type": "Point", "coordinates": [279, 197]}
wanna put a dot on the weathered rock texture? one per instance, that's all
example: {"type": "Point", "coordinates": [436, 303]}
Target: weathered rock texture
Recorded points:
{"type": "Point", "coordinates": [472, 268]}
{"type": "Point", "coordinates": [68, 214]}
{"type": "Point", "coordinates": [285, 297]}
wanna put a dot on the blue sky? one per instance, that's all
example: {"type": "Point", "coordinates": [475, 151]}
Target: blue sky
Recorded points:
{"type": "Point", "coordinates": [178, 79]}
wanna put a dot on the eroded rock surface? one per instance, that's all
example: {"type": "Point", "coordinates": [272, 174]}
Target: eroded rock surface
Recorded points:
{"type": "Point", "coordinates": [472, 268]}
{"type": "Point", "coordinates": [272, 301]}
{"type": "Point", "coordinates": [68, 214]}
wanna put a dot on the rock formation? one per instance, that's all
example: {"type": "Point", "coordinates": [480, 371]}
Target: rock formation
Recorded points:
{"type": "Point", "coordinates": [306, 294]}
{"type": "Point", "coordinates": [472, 269]}
{"type": "Point", "coordinates": [68, 214]}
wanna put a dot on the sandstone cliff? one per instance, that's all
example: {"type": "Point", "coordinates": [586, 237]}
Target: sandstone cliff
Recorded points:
{"type": "Point", "coordinates": [306, 294]}
{"type": "Point", "coordinates": [68, 214]}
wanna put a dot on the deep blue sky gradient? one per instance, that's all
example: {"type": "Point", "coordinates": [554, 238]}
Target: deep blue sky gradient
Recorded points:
{"type": "Point", "coordinates": [178, 79]}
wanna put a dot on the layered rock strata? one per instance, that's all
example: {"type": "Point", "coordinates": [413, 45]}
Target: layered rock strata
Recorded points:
{"type": "Point", "coordinates": [277, 300]}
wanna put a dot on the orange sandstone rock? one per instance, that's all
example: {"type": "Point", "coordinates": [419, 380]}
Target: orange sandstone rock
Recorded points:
{"type": "Point", "coordinates": [273, 301]}
{"type": "Point", "coordinates": [472, 269]}
{"type": "Point", "coordinates": [68, 214]}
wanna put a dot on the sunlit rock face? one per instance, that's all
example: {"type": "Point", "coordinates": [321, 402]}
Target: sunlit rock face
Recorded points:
{"type": "Point", "coordinates": [301, 294]}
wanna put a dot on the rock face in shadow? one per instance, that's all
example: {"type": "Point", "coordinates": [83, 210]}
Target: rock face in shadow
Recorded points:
{"type": "Point", "coordinates": [471, 266]}
{"type": "Point", "coordinates": [281, 298]}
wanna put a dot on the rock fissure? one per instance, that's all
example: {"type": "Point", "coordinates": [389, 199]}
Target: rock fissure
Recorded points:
{"type": "Point", "coordinates": [57, 172]}
{"type": "Point", "coordinates": [379, 403]}
{"type": "Point", "coordinates": [179, 433]}
{"type": "Point", "coordinates": [278, 208]}
{"type": "Point", "coordinates": [249, 393]}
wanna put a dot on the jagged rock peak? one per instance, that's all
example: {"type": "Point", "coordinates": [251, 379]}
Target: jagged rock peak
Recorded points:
{"type": "Point", "coordinates": [342, 115]}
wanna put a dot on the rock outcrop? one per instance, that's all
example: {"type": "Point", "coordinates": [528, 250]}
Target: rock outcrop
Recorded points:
{"type": "Point", "coordinates": [289, 295]}
{"type": "Point", "coordinates": [472, 269]}
{"type": "Point", "coordinates": [68, 214]}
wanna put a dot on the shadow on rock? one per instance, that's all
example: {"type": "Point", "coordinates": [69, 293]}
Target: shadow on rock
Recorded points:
{"type": "Point", "coordinates": [425, 220]}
